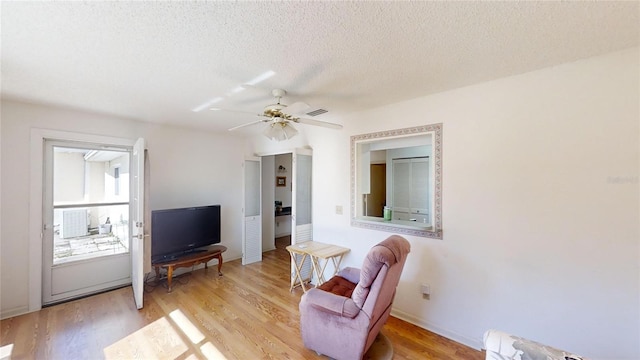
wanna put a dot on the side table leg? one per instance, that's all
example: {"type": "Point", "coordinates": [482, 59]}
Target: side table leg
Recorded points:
{"type": "Point", "coordinates": [219, 264]}
{"type": "Point", "coordinates": [298, 268]}
{"type": "Point", "coordinates": [169, 277]}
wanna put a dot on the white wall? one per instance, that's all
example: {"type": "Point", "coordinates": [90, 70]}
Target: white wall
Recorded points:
{"type": "Point", "coordinates": [109, 180]}
{"type": "Point", "coordinates": [540, 206]}
{"type": "Point", "coordinates": [185, 170]}
{"type": "Point", "coordinates": [68, 179]}
{"type": "Point", "coordinates": [96, 184]}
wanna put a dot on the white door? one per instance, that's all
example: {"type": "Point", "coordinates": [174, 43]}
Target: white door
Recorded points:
{"type": "Point", "coordinates": [86, 234]}
{"type": "Point", "coordinates": [411, 190]}
{"type": "Point", "coordinates": [252, 216]}
{"type": "Point", "coordinates": [301, 219]}
{"type": "Point", "coordinates": [137, 222]}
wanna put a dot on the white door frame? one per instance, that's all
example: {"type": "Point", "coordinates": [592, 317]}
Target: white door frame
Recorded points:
{"type": "Point", "coordinates": [36, 163]}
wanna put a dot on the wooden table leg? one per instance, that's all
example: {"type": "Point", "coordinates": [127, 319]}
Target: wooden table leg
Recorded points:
{"type": "Point", "coordinates": [219, 264]}
{"type": "Point", "coordinates": [297, 267]}
{"type": "Point", "coordinates": [336, 263]}
{"type": "Point", "coordinates": [315, 264]}
{"type": "Point", "coordinates": [169, 277]}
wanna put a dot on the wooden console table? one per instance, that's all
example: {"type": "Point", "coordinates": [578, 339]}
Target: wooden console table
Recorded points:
{"type": "Point", "coordinates": [214, 251]}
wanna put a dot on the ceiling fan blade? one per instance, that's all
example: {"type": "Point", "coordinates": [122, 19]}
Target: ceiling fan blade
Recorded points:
{"type": "Point", "coordinates": [247, 124]}
{"type": "Point", "coordinates": [318, 123]}
{"type": "Point", "coordinates": [297, 107]}
{"type": "Point", "coordinates": [235, 111]}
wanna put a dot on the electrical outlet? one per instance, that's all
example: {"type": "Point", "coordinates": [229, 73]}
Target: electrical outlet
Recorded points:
{"type": "Point", "coordinates": [338, 209]}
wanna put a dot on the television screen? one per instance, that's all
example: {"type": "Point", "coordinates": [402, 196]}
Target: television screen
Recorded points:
{"type": "Point", "coordinates": [175, 232]}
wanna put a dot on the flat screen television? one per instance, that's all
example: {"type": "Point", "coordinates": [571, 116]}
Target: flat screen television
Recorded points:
{"type": "Point", "coordinates": [177, 232]}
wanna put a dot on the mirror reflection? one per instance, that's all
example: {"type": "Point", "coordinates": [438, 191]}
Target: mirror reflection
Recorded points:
{"type": "Point", "coordinates": [396, 180]}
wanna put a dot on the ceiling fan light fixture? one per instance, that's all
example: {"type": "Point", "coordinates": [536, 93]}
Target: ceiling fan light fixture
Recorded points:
{"type": "Point", "coordinates": [289, 130]}
{"type": "Point", "coordinates": [280, 131]}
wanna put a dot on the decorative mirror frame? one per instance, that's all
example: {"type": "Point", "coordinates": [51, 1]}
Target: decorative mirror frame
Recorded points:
{"type": "Point", "coordinates": [436, 230]}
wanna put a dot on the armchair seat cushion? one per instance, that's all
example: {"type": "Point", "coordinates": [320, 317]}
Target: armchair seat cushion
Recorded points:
{"type": "Point", "coordinates": [339, 286]}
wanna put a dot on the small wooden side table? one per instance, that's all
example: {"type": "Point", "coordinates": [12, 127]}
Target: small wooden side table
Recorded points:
{"type": "Point", "coordinates": [196, 258]}
{"type": "Point", "coordinates": [316, 251]}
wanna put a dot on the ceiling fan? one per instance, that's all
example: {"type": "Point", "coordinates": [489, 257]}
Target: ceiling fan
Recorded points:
{"type": "Point", "coordinates": [279, 117]}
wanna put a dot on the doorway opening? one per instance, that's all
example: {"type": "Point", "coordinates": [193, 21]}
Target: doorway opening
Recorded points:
{"type": "Point", "coordinates": [282, 200]}
{"type": "Point", "coordinates": [87, 238]}
{"type": "Point", "coordinates": [287, 201]}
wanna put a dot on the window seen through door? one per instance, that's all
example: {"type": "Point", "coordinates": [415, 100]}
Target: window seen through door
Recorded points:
{"type": "Point", "coordinates": [90, 203]}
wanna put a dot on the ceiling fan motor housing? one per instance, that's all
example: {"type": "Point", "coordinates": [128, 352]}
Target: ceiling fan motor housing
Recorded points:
{"type": "Point", "coordinates": [278, 93]}
{"type": "Point", "coordinates": [275, 110]}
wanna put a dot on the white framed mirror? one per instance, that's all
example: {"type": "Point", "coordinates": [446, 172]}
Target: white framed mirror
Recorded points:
{"type": "Point", "coordinates": [396, 181]}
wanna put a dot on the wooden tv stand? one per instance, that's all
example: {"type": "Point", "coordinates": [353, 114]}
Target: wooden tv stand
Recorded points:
{"type": "Point", "coordinates": [196, 258]}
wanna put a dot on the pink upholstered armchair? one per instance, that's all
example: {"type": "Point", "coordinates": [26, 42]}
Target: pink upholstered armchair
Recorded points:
{"type": "Point", "coordinates": [343, 316]}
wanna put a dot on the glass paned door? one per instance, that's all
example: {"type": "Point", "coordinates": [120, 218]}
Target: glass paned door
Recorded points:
{"type": "Point", "coordinates": [86, 213]}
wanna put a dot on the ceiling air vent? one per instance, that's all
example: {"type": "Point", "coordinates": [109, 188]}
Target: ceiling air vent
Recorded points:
{"type": "Point", "coordinates": [317, 112]}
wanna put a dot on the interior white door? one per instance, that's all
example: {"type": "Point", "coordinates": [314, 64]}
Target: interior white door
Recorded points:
{"type": "Point", "coordinates": [137, 223]}
{"type": "Point", "coordinates": [301, 219]}
{"type": "Point", "coordinates": [252, 212]}
{"type": "Point", "coordinates": [301, 216]}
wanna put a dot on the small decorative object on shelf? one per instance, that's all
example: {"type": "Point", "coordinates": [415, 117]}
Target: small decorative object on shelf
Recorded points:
{"type": "Point", "coordinates": [387, 213]}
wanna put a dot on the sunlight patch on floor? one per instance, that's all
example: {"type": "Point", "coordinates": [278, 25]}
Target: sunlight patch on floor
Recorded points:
{"type": "Point", "coordinates": [156, 340]}
{"type": "Point", "coordinates": [211, 352]}
{"type": "Point", "coordinates": [162, 340]}
{"type": "Point", "coordinates": [5, 352]}
{"type": "Point", "coordinates": [186, 326]}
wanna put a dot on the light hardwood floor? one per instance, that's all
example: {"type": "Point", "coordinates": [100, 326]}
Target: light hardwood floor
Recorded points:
{"type": "Point", "coordinates": [248, 313]}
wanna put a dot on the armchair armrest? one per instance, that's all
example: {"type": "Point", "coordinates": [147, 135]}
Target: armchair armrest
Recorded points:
{"type": "Point", "coordinates": [331, 303]}
{"type": "Point", "coordinates": [351, 274]}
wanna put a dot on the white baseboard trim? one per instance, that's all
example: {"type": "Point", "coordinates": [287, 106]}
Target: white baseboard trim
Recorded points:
{"type": "Point", "coordinates": [269, 249]}
{"type": "Point", "coordinates": [20, 310]}
{"type": "Point", "coordinates": [473, 343]}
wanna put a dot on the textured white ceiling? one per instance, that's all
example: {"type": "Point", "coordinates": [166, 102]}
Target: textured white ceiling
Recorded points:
{"type": "Point", "coordinates": [155, 61]}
